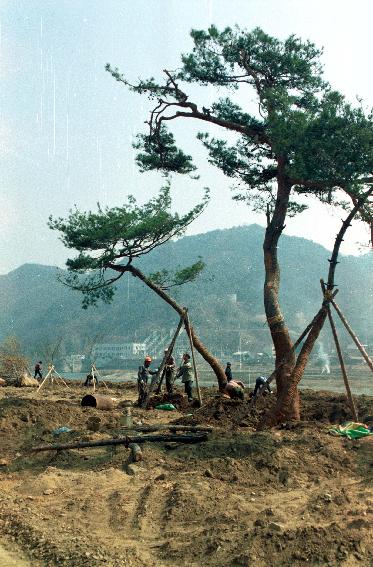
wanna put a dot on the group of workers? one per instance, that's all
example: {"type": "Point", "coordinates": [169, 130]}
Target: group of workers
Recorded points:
{"type": "Point", "coordinates": [185, 372]}
{"type": "Point", "coordinates": [234, 388]}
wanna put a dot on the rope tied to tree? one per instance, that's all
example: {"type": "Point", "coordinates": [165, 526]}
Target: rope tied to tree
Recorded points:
{"type": "Point", "coordinates": [328, 295]}
{"type": "Point", "coordinates": [274, 320]}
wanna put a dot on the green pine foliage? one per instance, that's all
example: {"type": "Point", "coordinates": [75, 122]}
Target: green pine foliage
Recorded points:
{"type": "Point", "coordinates": [322, 141]}
{"type": "Point", "coordinates": [110, 239]}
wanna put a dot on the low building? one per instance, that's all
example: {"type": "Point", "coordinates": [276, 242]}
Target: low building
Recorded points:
{"type": "Point", "coordinates": [125, 351]}
{"type": "Point", "coordinates": [74, 363]}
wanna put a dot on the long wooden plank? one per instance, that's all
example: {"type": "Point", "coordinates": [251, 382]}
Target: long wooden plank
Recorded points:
{"type": "Point", "coordinates": [169, 427]}
{"type": "Point", "coordinates": [124, 441]}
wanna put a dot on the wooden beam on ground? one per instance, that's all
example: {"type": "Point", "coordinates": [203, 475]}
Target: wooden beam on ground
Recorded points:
{"type": "Point", "coordinates": [170, 427]}
{"type": "Point", "coordinates": [124, 441]}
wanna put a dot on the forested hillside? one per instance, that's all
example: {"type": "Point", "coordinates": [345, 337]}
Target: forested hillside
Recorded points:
{"type": "Point", "coordinates": [225, 303]}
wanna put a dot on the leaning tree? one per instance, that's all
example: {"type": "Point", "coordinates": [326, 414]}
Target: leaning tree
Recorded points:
{"type": "Point", "coordinates": [299, 138]}
{"type": "Point", "coordinates": [110, 241]}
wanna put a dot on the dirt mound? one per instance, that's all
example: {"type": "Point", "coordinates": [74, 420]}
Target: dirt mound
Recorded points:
{"type": "Point", "coordinates": [178, 400]}
{"type": "Point", "coordinates": [294, 495]}
{"type": "Point", "coordinates": [327, 407]}
{"type": "Point", "coordinates": [321, 407]}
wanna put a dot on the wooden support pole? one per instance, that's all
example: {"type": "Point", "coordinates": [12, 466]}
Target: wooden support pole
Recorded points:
{"type": "Point", "coordinates": [340, 358]}
{"type": "Point", "coordinates": [93, 377]}
{"type": "Point", "coordinates": [364, 353]}
{"type": "Point", "coordinates": [60, 377]}
{"type": "Point", "coordinates": [50, 374]}
{"type": "Point", "coordinates": [97, 373]}
{"type": "Point", "coordinates": [189, 333]}
{"type": "Point", "coordinates": [46, 376]}
{"type": "Point", "coordinates": [124, 441]}
{"type": "Point", "coordinates": [343, 367]}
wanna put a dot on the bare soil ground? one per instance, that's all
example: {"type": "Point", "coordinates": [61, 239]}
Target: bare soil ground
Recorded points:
{"type": "Point", "coordinates": [291, 496]}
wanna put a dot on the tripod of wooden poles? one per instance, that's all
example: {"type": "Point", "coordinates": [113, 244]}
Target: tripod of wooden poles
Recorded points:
{"type": "Point", "coordinates": [329, 296]}
{"type": "Point", "coordinates": [95, 376]}
{"type": "Point", "coordinates": [158, 378]}
{"type": "Point", "coordinates": [361, 348]}
{"type": "Point", "coordinates": [51, 375]}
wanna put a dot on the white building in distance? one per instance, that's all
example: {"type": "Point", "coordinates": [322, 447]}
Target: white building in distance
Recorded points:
{"type": "Point", "coordinates": [125, 351]}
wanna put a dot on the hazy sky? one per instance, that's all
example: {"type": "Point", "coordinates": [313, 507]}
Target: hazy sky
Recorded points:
{"type": "Point", "coordinates": [67, 126]}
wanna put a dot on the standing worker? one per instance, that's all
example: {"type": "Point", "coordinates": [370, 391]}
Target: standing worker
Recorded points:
{"type": "Point", "coordinates": [142, 379]}
{"type": "Point", "coordinates": [38, 370]}
{"type": "Point", "coordinates": [170, 370]}
{"type": "Point", "coordinates": [261, 383]}
{"type": "Point", "coordinates": [228, 372]}
{"type": "Point", "coordinates": [186, 373]}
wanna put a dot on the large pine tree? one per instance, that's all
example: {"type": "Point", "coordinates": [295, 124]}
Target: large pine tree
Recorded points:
{"type": "Point", "coordinates": [303, 138]}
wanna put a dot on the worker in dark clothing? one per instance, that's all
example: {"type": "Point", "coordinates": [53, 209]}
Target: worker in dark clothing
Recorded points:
{"type": "Point", "coordinates": [186, 374]}
{"type": "Point", "coordinates": [38, 370]}
{"type": "Point", "coordinates": [228, 372]}
{"type": "Point", "coordinates": [89, 380]}
{"type": "Point", "coordinates": [170, 370]}
{"type": "Point", "coordinates": [261, 383]}
{"type": "Point", "coordinates": [142, 379]}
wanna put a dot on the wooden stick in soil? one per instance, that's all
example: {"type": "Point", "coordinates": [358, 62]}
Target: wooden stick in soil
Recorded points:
{"type": "Point", "coordinates": [364, 353]}
{"type": "Point", "coordinates": [341, 361]}
{"type": "Point", "coordinates": [343, 367]}
{"type": "Point", "coordinates": [193, 357]}
{"type": "Point", "coordinates": [93, 377]}
{"type": "Point", "coordinates": [124, 441]}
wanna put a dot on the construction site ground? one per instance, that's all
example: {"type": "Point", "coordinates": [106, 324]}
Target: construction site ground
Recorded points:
{"type": "Point", "coordinates": [295, 495]}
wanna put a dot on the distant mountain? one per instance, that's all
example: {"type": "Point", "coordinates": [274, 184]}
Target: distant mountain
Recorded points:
{"type": "Point", "coordinates": [225, 303]}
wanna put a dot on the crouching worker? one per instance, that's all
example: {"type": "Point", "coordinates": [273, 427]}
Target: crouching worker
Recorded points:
{"type": "Point", "coordinates": [261, 383]}
{"type": "Point", "coordinates": [235, 390]}
{"type": "Point", "coordinates": [186, 373]}
{"type": "Point", "coordinates": [142, 379]}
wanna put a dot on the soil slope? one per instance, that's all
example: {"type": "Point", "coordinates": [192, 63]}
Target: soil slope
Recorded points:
{"type": "Point", "coordinates": [291, 496]}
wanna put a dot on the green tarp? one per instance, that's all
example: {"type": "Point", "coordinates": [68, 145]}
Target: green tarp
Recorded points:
{"type": "Point", "coordinates": [351, 430]}
{"type": "Point", "coordinates": [167, 407]}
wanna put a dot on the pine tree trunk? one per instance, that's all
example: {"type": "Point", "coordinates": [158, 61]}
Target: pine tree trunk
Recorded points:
{"type": "Point", "coordinates": [279, 332]}
{"type": "Point", "coordinates": [284, 407]}
{"type": "Point", "coordinates": [288, 397]}
{"type": "Point", "coordinates": [200, 347]}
